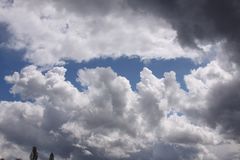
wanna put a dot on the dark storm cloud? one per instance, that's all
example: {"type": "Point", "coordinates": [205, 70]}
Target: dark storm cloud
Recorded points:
{"type": "Point", "coordinates": [224, 108]}
{"type": "Point", "coordinates": [202, 20]}
{"type": "Point", "coordinates": [207, 21]}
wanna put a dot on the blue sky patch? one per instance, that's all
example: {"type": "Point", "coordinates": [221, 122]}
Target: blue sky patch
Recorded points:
{"type": "Point", "coordinates": [10, 61]}
{"type": "Point", "coordinates": [130, 68]}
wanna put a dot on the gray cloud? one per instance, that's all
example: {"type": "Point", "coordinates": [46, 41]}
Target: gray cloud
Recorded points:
{"type": "Point", "coordinates": [168, 151]}
{"type": "Point", "coordinates": [214, 93]}
{"type": "Point", "coordinates": [91, 7]}
{"type": "Point", "coordinates": [22, 126]}
{"type": "Point", "coordinates": [224, 108]}
{"type": "Point", "coordinates": [4, 34]}
{"type": "Point", "coordinates": [207, 21]}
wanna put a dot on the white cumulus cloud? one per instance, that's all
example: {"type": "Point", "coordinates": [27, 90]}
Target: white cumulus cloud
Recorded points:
{"type": "Point", "coordinates": [107, 118]}
{"type": "Point", "coordinates": [54, 31]}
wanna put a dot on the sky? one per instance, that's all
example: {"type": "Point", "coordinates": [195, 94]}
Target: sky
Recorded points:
{"type": "Point", "coordinates": [120, 79]}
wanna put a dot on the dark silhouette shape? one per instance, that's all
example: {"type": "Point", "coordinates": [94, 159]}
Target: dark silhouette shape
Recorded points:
{"type": "Point", "coordinates": [34, 154]}
{"type": "Point", "coordinates": [51, 157]}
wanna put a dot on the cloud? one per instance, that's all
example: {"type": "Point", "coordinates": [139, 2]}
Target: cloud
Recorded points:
{"type": "Point", "coordinates": [178, 129]}
{"type": "Point", "coordinates": [56, 31]}
{"type": "Point", "coordinates": [174, 152]}
{"type": "Point", "coordinates": [91, 7]}
{"type": "Point", "coordinates": [107, 119]}
{"type": "Point", "coordinates": [224, 108]}
{"type": "Point", "coordinates": [23, 124]}
{"type": "Point", "coordinates": [213, 91]}
{"type": "Point", "coordinates": [10, 150]}
{"type": "Point", "coordinates": [207, 21]}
